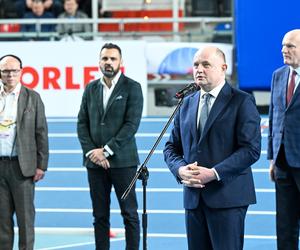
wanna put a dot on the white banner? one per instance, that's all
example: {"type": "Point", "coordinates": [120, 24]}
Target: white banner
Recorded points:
{"type": "Point", "coordinates": [60, 70]}
{"type": "Point", "coordinates": [177, 58]}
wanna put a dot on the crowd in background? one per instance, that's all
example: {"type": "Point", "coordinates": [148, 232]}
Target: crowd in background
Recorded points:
{"type": "Point", "coordinates": [19, 8]}
{"type": "Point", "coordinates": [74, 9]}
{"type": "Point", "coordinates": [70, 9]}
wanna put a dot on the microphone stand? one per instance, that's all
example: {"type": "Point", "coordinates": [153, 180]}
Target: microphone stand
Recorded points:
{"type": "Point", "coordinates": [143, 174]}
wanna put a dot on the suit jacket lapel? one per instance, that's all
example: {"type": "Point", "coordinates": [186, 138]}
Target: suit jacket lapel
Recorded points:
{"type": "Point", "coordinates": [220, 103]}
{"type": "Point", "coordinates": [283, 88]}
{"type": "Point", "coordinates": [296, 95]}
{"type": "Point", "coordinates": [22, 103]}
{"type": "Point", "coordinates": [193, 111]}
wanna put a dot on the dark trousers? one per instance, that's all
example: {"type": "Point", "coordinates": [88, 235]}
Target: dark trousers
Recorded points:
{"type": "Point", "coordinates": [16, 196]}
{"type": "Point", "coordinates": [215, 228]}
{"type": "Point", "coordinates": [287, 184]}
{"type": "Point", "coordinates": [101, 181]}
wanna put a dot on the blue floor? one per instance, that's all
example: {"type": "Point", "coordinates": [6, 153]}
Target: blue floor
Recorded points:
{"type": "Point", "coordinates": [64, 208]}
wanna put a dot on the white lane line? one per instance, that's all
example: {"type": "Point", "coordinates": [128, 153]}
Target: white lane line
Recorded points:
{"type": "Point", "coordinates": [83, 169]}
{"type": "Point", "coordinates": [144, 119]}
{"type": "Point", "coordinates": [65, 151]}
{"type": "Point", "coordinates": [153, 170]}
{"type": "Point", "coordinates": [79, 151]}
{"type": "Point", "coordinates": [70, 230]}
{"type": "Point", "coordinates": [140, 211]}
{"type": "Point", "coordinates": [261, 212]}
{"type": "Point", "coordinates": [139, 190]}
{"type": "Point", "coordinates": [265, 190]}
{"type": "Point", "coordinates": [86, 189]}
{"type": "Point", "coordinates": [256, 237]}
{"type": "Point", "coordinates": [62, 135]}
{"type": "Point", "coordinates": [73, 119]}
{"type": "Point", "coordinates": [68, 246]}
{"type": "Point", "coordinates": [260, 170]}
{"type": "Point", "coordinates": [158, 235]}
{"type": "Point", "coordinates": [90, 231]}
{"type": "Point", "coordinates": [58, 169]}
{"type": "Point", "coordinates": [260, 237]}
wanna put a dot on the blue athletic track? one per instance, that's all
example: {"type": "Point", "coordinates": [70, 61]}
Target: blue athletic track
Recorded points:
{"type": "Point", "coordinates": [64, 215]}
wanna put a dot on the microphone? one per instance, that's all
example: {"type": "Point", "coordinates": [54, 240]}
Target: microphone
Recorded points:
{"type": "Point", "coordinates": [192, 87]}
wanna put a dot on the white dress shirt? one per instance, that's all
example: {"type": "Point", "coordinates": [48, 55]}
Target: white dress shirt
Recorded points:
{"type": "Point", "coordinates": [214, 94]}
{"type": "Point", "coordinates": [108, 91]}
{"type": "Point", "coordinates": [8, 119]}
{"type": "Point", "coordinates": [106, 95]}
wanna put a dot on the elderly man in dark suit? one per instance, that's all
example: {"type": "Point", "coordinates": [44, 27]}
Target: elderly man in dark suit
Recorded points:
{"type": "Point", "coordinates": [23, 153]}
{"type": "Point", "coordinates": [215, 139]}
{"type": "Point", "coordinates": [108, 119]}
{"type": "Point", "coordinates": [284, 142]}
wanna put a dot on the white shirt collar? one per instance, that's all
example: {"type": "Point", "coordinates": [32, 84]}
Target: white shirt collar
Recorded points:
{"type": "Point", "coordinates": [114, 80]}
{"type": "Point", "coordinates": [16, 90]}
{"type": "Point", "coordinates": [214, 92]}
{"type": "Point", "coordinates": [297, 70]}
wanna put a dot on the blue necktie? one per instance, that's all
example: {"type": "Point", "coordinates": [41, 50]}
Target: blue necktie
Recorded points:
{"type": "Point", "coordinates": [204, 111]}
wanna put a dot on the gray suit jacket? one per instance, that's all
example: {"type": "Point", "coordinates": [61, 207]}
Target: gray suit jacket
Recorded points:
{"type": "Point", "coordinates": [32, 133]}
{"type": "Point", "coordinates": [116, 126]}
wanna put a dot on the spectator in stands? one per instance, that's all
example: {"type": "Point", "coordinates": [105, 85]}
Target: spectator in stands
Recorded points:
{"type": "Point", "coordinates": [85, 6]}
{"type": "Point", "coordinates": [284, 142]}
{"type": "Point", "coordinates": [72, 12]}
{"type": "Point", "coordinates": [54, 6]}
{"type": "Point", "coordinates": [38, 11]}
{"type": "Point", "coordinates": [10, 9]}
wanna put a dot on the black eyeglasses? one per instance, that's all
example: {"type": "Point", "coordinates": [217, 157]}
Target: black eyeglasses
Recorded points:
{"type": "Point", "coordinates": [10, 71]}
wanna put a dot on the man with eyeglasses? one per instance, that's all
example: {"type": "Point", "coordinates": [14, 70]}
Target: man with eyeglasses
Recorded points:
{"type": "Point", "coordinates": [23, 153]}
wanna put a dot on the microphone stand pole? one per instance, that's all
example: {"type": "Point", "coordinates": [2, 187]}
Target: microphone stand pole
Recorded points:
{"type": "Point", "coordinates": [143, 174]}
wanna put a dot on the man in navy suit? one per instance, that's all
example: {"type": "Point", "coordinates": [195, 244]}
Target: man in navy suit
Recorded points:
{"type": "Point", "coordinates": [213, 159]}
{"type": "Point", "coordinates": [284, 142]}
{"type": "Point", "coordinates": [108, 119]}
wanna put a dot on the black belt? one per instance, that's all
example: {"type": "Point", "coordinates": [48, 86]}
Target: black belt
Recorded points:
{"type": "Point", "coordinates": [8, 158]}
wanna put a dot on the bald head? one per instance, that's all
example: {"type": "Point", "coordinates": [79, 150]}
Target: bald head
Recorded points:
{"type": "Point", "coordinates": [209, 67]}
{"type": "Point", "coordinates": [213, 52]}
{"type": "Point", "coordinates": [291, 48]}
{"type": "Point", "coordinates": [294, 34]}
{"type": "Point", "coordinates": [10, 58]}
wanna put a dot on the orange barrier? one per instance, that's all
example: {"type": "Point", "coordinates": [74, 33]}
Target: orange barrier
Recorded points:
{"type": "Point", "coordinates": [142, 27]}
{"type": "Point", "coordinates": [10, 27]}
